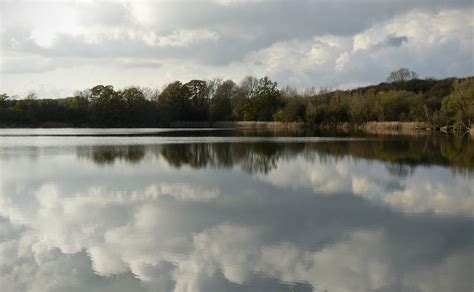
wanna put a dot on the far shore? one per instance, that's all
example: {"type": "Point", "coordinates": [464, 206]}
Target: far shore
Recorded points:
{"type": "Point", "coordinates": [369, 127]}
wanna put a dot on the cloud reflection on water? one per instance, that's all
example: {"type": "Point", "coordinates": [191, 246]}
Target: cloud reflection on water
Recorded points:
{"type": "Point", "coordinates": [231, 217]}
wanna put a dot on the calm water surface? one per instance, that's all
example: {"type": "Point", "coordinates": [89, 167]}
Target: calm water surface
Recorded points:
{"type": "Point", "coordinates": [160, 210]}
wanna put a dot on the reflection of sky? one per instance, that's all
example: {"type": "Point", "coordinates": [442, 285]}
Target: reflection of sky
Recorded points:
{"type": "Point", "coordinates": [67, 223]}
{"type": "Point", "coordinates": [427, 189]}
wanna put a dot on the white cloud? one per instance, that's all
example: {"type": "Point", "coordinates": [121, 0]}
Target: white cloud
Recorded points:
{"type": "Point", "coordinates": [342, 60]}
{"type": "Point", "coordinates": [362, 41]}
{"type": "Point", "coordinates": [360, 262]}
{"type": "Point", "coordinates": [449, 195]}
{"type": "Point", "coordinates": [239, 252]}
{"type": "Point", "coordinates": [184, 38]}
{"type": "Point", "coordinates": [408, 40]}
{"type": "Point", "coordinates": [422, 196]}
{"type": "Point", "coordinates": [106, 262]}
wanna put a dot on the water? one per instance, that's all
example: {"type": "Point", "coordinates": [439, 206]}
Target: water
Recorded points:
{"type": "Point", "coordinates": [222, 210]}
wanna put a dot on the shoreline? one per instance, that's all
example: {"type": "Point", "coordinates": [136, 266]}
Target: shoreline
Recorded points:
{"type": "Point", "coordinates": [369, 127]}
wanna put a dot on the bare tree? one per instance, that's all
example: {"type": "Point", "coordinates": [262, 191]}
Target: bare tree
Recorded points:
{"type": "Point", "coordinates": [3, 98]}
{"type": "Point", "coordinates": [402, 75]}
{"type": "Point", "coordinates": [31, 95]}
{"type": "Point", "coordinates": [248, 86]}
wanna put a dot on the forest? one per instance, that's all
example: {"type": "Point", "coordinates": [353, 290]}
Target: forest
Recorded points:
{"type": "Point", "coordinates": [403, 97]}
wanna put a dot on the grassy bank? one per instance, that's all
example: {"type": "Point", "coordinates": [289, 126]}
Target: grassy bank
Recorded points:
{"type": "Point", "coordinates": [376, 128]}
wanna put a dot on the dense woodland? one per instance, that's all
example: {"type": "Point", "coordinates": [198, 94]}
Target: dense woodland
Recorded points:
{"type": "Point", "coordinates": [404, 97]}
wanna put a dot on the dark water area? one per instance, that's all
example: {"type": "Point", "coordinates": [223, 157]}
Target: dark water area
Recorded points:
{"type": "Point", "coordinates": [231, 210]}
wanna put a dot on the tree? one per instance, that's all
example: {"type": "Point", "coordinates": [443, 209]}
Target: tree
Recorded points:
{"type": "Point", "coordinates": [440, 102]}
{"type": "Point", "coordinates": [401, 75]}
{"type": "Point", "coordinates": [174, 103]}
{"type": "Point", "coordinates": [3, 98]}
{"type": "Point", "coordinates": [4, 107]}
{"type": "Point", "coordinates": [32, 95]}
{"type": "Point", "coordinates": [241, 98]}
{"type": "Point", "coordinates": [136, 106]}
{"type": "Point", "coordinates": [460, 103]}
{"type": "Point", "coordinates": [360, 106]}
{"type": "Point", "coordinates": [248, 86]}
{"type": "Point", "coordinates": [198, 94]}
{"type": "Point", "coordinates": [220, 108]}
{"type": "Point", "coordinates": [393, 105]}
{"type": "Point", "coordinates": [108, 108]}
{"type": "Point", "coordinates": [212, 86]}
{"type": "Point", "coordinates": [77, 110]}
{"type": "Point", "coordinates": [265, 101]}
{"type": "Point", "coordinates": [293, 110]}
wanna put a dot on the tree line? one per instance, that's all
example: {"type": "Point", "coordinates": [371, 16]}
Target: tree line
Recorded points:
{"type": "Point", "coordinates": [404, 97]}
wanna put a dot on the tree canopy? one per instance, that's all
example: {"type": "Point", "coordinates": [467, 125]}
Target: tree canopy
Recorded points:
{"type": "Point", "coordinates": [439, 102]}
{"type": "Point", "coordinates": [402, 75]}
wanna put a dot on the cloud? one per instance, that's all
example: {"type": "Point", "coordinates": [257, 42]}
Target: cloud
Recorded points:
{"type": "Point", "coordinates": [312, 222]}
{"type": "Point", "coordinates": [183, 38]}
{"type": "Point", "coordinates": [361, 262]}
{"type": "Point", "coordinates": [230, 39]}
{"type": "Point", "coordinates": [123, 237]}
{"type": "Point", "coordinates": [418, 193]}
{"type": "Point", "coordinates": [356, 60]}
{"type": "Point", "coordinates": [394, 41]}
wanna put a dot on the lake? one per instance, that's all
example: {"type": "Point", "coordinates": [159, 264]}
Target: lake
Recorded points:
{"type": "Point", "coordinates": [228, 210]}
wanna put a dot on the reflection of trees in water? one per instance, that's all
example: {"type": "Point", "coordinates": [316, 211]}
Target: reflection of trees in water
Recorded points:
{"type": "Point", "coordinates": [263, 157]}
{"type": "Point", "coordinates": [260, 160]}
{"type": "Point", "coordinates": [252, 157]}
{"type": "Point", "coordinates": [31, 152]}
{"type": "Point", "coordinates": [401, 154]}
{"type": "Point", "coordinates": [193, 155]}
{"type": "Point", "coordinates": [459, 152]}
{"type": "Point", "coordinates": [400, 169]}
{"type": "Point", "coordinates": [103, 155]}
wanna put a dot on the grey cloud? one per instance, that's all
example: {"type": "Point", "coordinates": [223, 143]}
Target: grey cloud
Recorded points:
{"type": "Point", "coordinates": [367, 63]}
{"type": "Point", "coordinates": [26, 65]}
{"type": "Point", "coordinates": [107, 35]}
{"type": "Point", "coordinates": [245, 27]}
{"type": "Point", "coordinates": [393, 41]}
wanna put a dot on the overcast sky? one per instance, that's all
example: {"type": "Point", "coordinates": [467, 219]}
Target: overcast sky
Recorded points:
{"type": "Point", "coordinates": [57, 47]}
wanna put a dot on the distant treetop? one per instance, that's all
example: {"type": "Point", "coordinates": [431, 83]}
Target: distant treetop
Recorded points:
{"type": "Point", "coordinates": [402, 75]}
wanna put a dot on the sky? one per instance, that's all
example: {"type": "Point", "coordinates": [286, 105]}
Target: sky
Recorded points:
{"type": "Point", "coordinates": [56, 47]}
